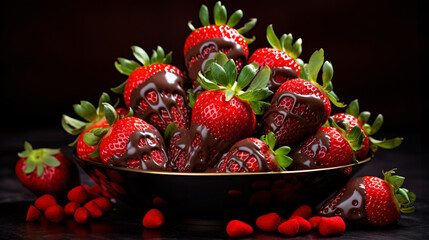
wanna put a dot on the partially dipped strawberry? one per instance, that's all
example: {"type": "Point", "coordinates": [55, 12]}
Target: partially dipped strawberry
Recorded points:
{"type": "Point", "coordinates": [221, 115]}
{"type": "Point", "coordinates": [300, 107]}
{"type": "Point", "coordinates": [203, 43]}
{"type": "Point", "coordinates": [46, 171]}
{"type": "Point", "coordinates": [93, 117]}
{"type": "Point", "coordinates": [355, 117]}
{"type": "Point", "coordinates": [155, 90]}
{"type": "Point", "coordinates": [280, 58]}
{"type": "Point", "coordinates": [255, 155]}
{"type": "Point", "coordinates": [128, 142]}
{"type": "Point", "coordinates": [328, 147]}
{"type": "Point", "coordinates": [371, 200]}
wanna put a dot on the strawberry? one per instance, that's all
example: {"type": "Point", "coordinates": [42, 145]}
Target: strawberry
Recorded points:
{"type": "Point", "coordinates": [128, 142]}
{"type": "Point", "coordinates": [299, 107]}
{"type": "Point", "coordinates": [46, 171]}
{"type": "Point", "coordinates": [354, 117]}
{"type": "Point", "coordinates": [280, 58]}
{"type": "Point", "coordinates": [328, 147]}
{"type": "Point", "coordinates": [331, 226]}
{"type": "Point", "coordinates": [221, 115]}
{"type": "Point", "coordinates": [255, 155]}
{"type": "Point", "coordinates": [371, 200]}
{"type": "Point", "coordinates": [153, 219]}
{"type": "Point", "coordinates": [202, 44]}
{"type": "Point", "coordinates": [155, 90]}
{"type": "Point", "coordinates": [94, 118]}
{"type": "Point", "coordinates": [237, 228]}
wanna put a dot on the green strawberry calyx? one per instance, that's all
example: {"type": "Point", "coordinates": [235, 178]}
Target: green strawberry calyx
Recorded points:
{"type": "Point", "coordinates": [37, 159]}
{"type": "Point", "coordinates": [281, 153]}
{"type": "Point", "coordinates": [371, 129]}
{"type": "Point", "coordinates": [126, 66]}
{"type": "Point", "coordinates": [88, 112]}
{"type": "Point", "coordinates": [310, 72]}
{"type": "Point", "coordinates": [95, 135]}
{"type": "Point", "coordinates": [354, 137]}
{"type": "Point", "coordinates": [220, 17]}
{"type": "Point", "coordinates": [402, 196]}
{"type": "Point", "coordinates": [221, 73]}
{"type": "Point", "coordinates": [285, 43]}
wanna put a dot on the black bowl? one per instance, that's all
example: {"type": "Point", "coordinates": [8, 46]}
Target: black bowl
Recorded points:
{"type": "Point", "coordinates": [211, 197]}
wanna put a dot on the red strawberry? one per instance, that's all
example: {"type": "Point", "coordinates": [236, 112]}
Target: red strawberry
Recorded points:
{"type": "Point", "coordinates": [54, 213]}
{"type": "Point", "coordinates": [94, 118]}
{"type": "Point", "coordinates": [236, 228]}
{"type": "Point", "coordinates": [354, 117]}
{"type": "Point", "coordinates": [300, 107]}
{"type": "Point", "coordinates": [303, 211]}
{"type": "Point", "coordinates": [78, 194]}
{"type": "Point", "coordinates": [289, 227]}
{"type": "Point", "coordinates": [153, 219]}
{"type": "Point", "coordinates": [328, 147]}
{"type": "Point", "coordinates": [82, 215]}
{"type": "Point", "coordinates": [370, 200]}
{"type": "Point", "coordinates": [156, 90]}
{"type": "Point", "coordinates": [46, 171]}
{"type": "Point", "coordinates": [129, 142]}
{"type": "Point", "coordinates": [70, 208]}
{"type": "Point", "coordinates": [33, 214]}
{"type": "Point", "coordinates": [280, 58]}
{"type": "Point", "coordinates": [331, 226]}
{"type": "Point", "coordinates": [202, 44]}
{"type": "Point", "coordinates": [255, 155]}
{"type": "Point", "coordinates": [268, 222]}
{"type": "Point", "coordinates": [221, 116]}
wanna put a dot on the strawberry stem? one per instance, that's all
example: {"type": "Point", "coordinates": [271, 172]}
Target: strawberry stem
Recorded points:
{"type": "Point", "coordinates": [402, 196]}
{"type": "Point", "coordinates": [35, 159]}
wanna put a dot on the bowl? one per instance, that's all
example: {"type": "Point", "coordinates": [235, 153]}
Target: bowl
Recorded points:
{"type": "Point", "coordinates": [218, 197]}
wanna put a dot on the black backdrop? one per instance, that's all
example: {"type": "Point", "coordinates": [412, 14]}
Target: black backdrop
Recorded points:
{"type": "Point", "coordinates": [55, 53]}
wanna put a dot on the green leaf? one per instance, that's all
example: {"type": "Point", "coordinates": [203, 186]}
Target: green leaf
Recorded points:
{"type": "Point", "coordinates": [231, 72]}
{"type": "Point", "coordinates": [273, 40]}
{"type": "Point", "coordinates": [119, 89]}
{"type": "Point", "coordinates": [315, 63]}
{"type": "Point", "coordinates": [169, 130]}
{"type": "Point", "coordinates": [40, 169]}
{"type": "Point", "coordinates": [229, 94]}
{"type": "Point", "coordinates": [283, 150]}
{"type": "Point", "coordinates": [304, 72]}
{"type": "Point", "coordinates": [168, 58]}
{"type": "Point", "coordinates": [90, 139]}
{"type": "Point", "coordinates": [110, 113]}
{"type": "Point", "coordinates": [407, 210]}
{"type": "Point", "coordinates": [328, 73]}
{"type": "Point", "coordinates": [154, 57]}
{"type": "Point", "coordinates": [378, 122]}
{"type": "Point", "coordinates": [220, 14]}
{"type": "Point", "coordinates": [246, 75]}
{"type": "Point", "coordinates": [261, 79]}
{"type": "Point", "coordinates": [296, 49]}
{"type": "Point", "coordinates": [126, 66]}
{"type": "Point", "coordinates": [191, 26]}
{"type": "Point", "coordinates": [247, 26]}
{"type": "Point", "coordinates": [141, 55]}
{"type": "Point", "coordinates": [72, 126]}
{"type": "Point", "coordinates": [51, 161]}
{"type": "Point", "coordinates": [334, 99]}
{"type": "Point", "coordinates": [235, 18]}
{"type": "Point", "coordinates": [255, 95]}
{"type": "Point", "coordinates": [397, 181]}
{"type": "Point", "coordinates": [353, 108]}
{"type": "Point", "coordinates": [259, 107]}
{"type": "Point", "coordinates": [270, 140]}
{"type": "Point", "coordinates": [160, 54]}
{"type": "Point", "coordinates": [363, 118]}
{"type": "Point", "coordinates": [206, 83]}
{"type": "Point", "coordinates": [204, 15]}
{"type": "Point", "coordinates": [284, 161]}
{"type": "Point", "coordinates": [221, 58]}
{"type": "Point", "coordinates": [219, 74]}
{"type": "Point", "coordinates": [86, 110]}
{"type": "Point", "coordinates": [96, 152]}
{"type": "Point", "coordinates": [30, 167]}
{"type": "Point", "coordinates": [386, 144]}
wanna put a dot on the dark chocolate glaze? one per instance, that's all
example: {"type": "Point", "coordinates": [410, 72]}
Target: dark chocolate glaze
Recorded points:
{"type": "Point", "coordinates": [154, 141]}
{"type": "Point", "coordinates": [301, 155]}
{"type": "Point", "coordinates": [315, 105]}
{"type": "Point", "coordinates": [253, 150]}
{"type": "Point", "coordinates": [287, 72]}
{"type": "Point", "coordinates": [162, 83]}
{"type": "Point", "coordinates": [350, 202]}
{"type": "Point", "coordinates": [235, 52]}
{"type": "Point", "coordinates": [205, 155]}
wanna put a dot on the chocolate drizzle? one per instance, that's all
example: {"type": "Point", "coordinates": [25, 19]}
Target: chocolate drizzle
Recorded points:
{"type": "Point", "coordinates": [305, 155]}
{"type": "Point", "coordinates": [161, 83]}
{"type": "Point", "coordinates": [253, 150]}
{"type": "Point", "coordinates": [235, 52]}
{"type": "Point", "coordinates": [286, 72]}
{"type": "Point", "coordinates": [135, 151]}
{"type": "Point", "coordinates": [349, 202]}
{"type": "Point", "coordinates": [203, 156]}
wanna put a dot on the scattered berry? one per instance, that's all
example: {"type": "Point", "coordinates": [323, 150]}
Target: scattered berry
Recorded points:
{"type": "Point", "coordinates": [54, 213]}
{"type": "Point", "coordinates": [95, 191]}
{"type": "Point", "coordinates": [71, 207]}
{"type": "Point", "coordinates": [304, 211]}
{"type": "Point", "coordinates": [315, 221]}
{"type": "Point", "coordinates": [268, 222]}
{"type": "Point", "coordinates": [103, 203]}
{"type": "Point", "coordinates": [33, 214]}
{"type": "Point", "coordinates": [331, 226]}
{"type": "Point", "coordinates": [45, 201]}
{"type": "Point", "coordinates": [94, 209]}
{"type": "Point", "coordinates": [236, 228]}
{"type": "Point", "coordinates": [153, 219]}
{"type": "Point", "coordinates": [304, 225]}
{"type": "Point", "coordinates": [82, 215]}
{"type": "Point", "coordinates": [78, 194]}
{"type": "Point", "coordinates": [289, 227]}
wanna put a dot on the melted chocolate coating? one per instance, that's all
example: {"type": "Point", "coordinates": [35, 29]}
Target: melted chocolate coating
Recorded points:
{"type": "Point", "coordinates": [161, 83]}
{"type": "Point", "coordinates": [236, 52]}
{"type": "Point", "coordinates": [287, 72]}
{"type": "Point", "coordinates": [300, 155]}
{"type": "Point", "coordinates": [136, 152]}
{"type": "Point", "coordinates": [201, 157]}
{"type": "Point", "coordinates": [351, 202]}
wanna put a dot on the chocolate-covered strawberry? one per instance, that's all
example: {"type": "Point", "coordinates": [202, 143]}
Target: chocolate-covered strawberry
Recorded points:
{"type": "Point", "coordinates": [46, 171]}
{"type": "Point", "coordinates": [280, 58]}
{"type": "Point", "coordinates": [328, 147]}
{"type": "Point", "coordinates": [300, 106]}
{"type": "Point", "coordinates": [255, 155]}
{"type": "Point", "coordinates": [355, 117]}
{"type": "Point", "coordinates": [203, 43]}
{"type": "Point", "coordinates": [92, 118]}
{"type": "Point", "coordinates": [128, 142]}
{"type": "Point", "coordinates": [156, 91]}
{"type": "Point", "coordinates": [370, 200]}
{"type": "Point", "coordinates": [224, 112]}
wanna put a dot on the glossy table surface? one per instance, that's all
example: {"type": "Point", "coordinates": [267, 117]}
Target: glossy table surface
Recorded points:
{"type": "Point", "coordinates": [122, 223]}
